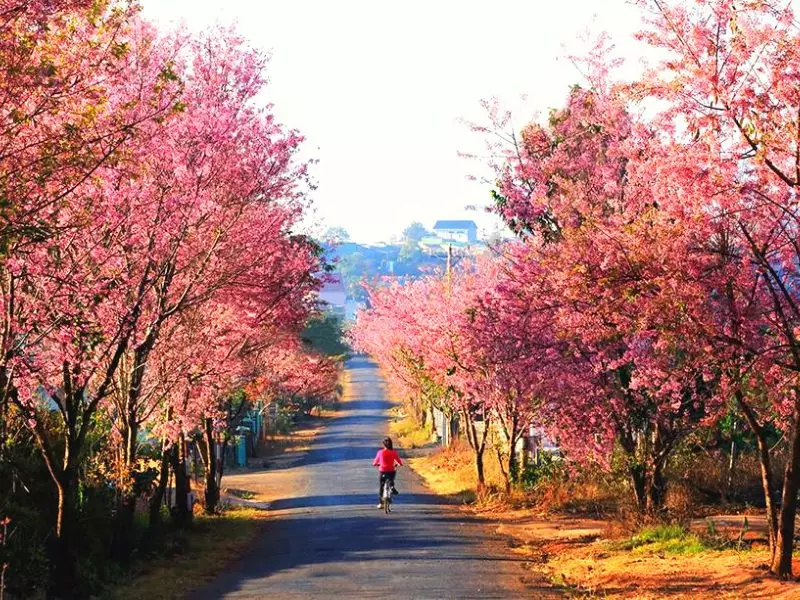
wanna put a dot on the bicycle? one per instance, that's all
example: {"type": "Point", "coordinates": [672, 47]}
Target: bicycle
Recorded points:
{"type": "Point", "coordinates": [386, 496]}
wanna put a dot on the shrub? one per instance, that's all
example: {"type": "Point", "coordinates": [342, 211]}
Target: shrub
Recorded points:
{"type": "Point", "coordinates": [548, 468]}
{"type": "Point", "coordinates": [553, 485]}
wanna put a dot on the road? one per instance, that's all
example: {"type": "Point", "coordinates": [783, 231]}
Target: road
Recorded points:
{"type": "Point", "coordinates": [329, 540]}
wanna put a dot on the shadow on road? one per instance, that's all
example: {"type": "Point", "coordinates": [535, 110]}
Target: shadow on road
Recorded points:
{"type": "Point", "coordinates": [347, 436]}
{"type": "Point", "coordinates": [362, 500]}
{"type": "Point", "coordinates": [293, 543]}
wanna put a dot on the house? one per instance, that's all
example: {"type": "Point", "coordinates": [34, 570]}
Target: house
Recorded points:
{"type": "Point", "coordinates": [431, 244]}
{"type": "Point", "coordinates": [445, 427]}
{"type": "Point", "coordinates": [436, 245]}
{"type": "Point", "coordinates": [536, 443]}
{"type": "Point", "coordinates": [334, 294]}
{"type": "Point", "coordinates": [457, 231]}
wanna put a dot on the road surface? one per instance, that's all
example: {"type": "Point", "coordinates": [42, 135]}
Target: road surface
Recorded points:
{"type": "Point", "coordinates": [329, 540]}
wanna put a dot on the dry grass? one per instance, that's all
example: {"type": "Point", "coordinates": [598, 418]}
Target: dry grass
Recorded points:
{"type": "Point", "coordinates": [659, 571]}
{"type": "Point", "coordinates": [599, 557]}
{"type": "Point", "coordinates": [206, 550]}
{"type": "Point", "coordinates": [451, 472]}
{"type": "Point", "coordinates": [406, 432]}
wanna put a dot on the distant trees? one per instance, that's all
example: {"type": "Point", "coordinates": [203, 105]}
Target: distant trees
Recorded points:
{"type": "Point", "coordinates": [335, 235]}
{"type": "Point", "coordinates": [360, 264]}
{"type": "Point", "coordinates": [409, 249]}
{"type": "Point", "coordinates": [325, 334]}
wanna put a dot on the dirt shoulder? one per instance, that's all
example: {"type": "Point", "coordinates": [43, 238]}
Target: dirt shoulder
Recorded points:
{"type": "Point", "coordinates": [270, 475]}
{"type": "Point", "coordinates": [596, 558]}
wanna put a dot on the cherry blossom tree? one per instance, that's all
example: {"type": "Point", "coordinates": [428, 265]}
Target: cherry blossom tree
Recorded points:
{"type": "Point", "coordinates": [63, 333]}
{"type": "Point", "coordinates": [731, 99]}
{"type": "Point", "coordinates": [605, 261]}
{"type": "Point", "coordinates": [221, 187]}
{"type": "Point", "coordinates": [509, 348]}
{"type": "Point", "coordinates": [441, 338]}
{"type": "Point", "coordinates": [196, 196]}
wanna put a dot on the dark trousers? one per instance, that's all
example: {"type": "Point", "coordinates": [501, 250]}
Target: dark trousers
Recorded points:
{"type": "Point", "coordinates": [384, 477]}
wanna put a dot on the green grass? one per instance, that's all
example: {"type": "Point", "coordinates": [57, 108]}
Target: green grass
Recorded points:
{"type": "Point", "coordinates": [672, 539]}
{"type": "Point", "coordinates": [243, 494]}
{"type": "Point", "coordinates": [201, 554]}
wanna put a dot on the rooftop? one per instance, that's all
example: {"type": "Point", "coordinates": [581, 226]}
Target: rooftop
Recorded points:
{"type": "Point", "coordinates": [455, 225]}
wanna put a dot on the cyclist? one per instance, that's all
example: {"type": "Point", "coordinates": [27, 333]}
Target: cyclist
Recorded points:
{"type": "Point", "coordinates": [386, 460]}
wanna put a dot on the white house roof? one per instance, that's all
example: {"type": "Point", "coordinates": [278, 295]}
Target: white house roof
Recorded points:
{"type": "Point", "coordinates": [455, 225]}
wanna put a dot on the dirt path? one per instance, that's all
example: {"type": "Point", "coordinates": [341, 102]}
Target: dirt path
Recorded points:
{"type": "Point", "coordinates": [328, 540]}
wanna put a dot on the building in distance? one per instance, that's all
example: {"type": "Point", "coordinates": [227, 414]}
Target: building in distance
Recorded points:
{"type": "Point", "coordinates": [465, 232]}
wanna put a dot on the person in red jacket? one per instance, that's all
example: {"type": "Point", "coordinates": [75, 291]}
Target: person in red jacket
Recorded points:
{"type": "Point", "coordinates": [386, 460]}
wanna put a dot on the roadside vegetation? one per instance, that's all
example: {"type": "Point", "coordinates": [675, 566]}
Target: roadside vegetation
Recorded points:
{"type": "Point", "coordinates": [580, 529]}
{"type": "Point", "coordinates": [188, 559]}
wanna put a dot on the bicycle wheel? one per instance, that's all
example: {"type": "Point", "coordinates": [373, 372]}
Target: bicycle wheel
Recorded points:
{"type": "Point", "coordinates": [387, 498]}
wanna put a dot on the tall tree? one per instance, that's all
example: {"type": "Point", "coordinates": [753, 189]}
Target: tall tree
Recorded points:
{"type": "Point", "coordinates": [728, 81]}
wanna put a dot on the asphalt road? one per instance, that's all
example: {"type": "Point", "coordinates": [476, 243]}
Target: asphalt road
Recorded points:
{"type": "Point", "coordinates": [330, 540]}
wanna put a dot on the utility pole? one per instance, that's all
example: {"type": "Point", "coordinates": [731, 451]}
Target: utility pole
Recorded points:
{"type": "Point", "coordinates": [449, 268]}
{"type": "Point", "coordinates": [446, 419]}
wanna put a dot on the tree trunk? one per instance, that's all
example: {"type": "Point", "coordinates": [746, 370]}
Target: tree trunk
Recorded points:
{"type": "Point", "coordinates": [766, 469]}
{"type": "Point", "coordinates": [4, 385]}
{"type": "Point", "coordinates": [62, 583]}
{"type": "Point", "coordinates": [503, 471]}
{"type": "Point", "coordinates": [766, 486]}
{"type": "Point", "coordinates": [158, 496]}
{"type": "Point", "coordinates": [212, 484]}
{"type": "Point", "coordinates": [782, 555]}
{"type": "Point", "coordinates": [182, 513]}
{"type": "Point", "coordinates": [124, 527]}
{"type": "Point", "coordinates": [478, 445]}
{"type": "Point", "coordinates": [510, 424]}
{"type": "Point", "coordinates": [639, 483]}
{"type": "Point", "coordinates": [731, 464]}
{"type": "Point", "coordinates": [221, 463]}
{"type": "Point", "coordinates": [513, 437]}
{"type": "Point", "coordinates": [479, 469]}
{"type": "Point", "coordinates": [513, 471]}
{"type": "Point", "coordinates": [656, 490]}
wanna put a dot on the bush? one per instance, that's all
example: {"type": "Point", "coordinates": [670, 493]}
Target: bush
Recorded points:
{"type": "Point", "coordinates": [553, 485]}
{"type": "Point", "coordinates": [549, 468]}
{"type": "Point", "coordinates": [706, 477]}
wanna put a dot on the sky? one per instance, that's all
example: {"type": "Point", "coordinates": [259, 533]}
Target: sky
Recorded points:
{"type": "Point", "coordinates": [380, 90]}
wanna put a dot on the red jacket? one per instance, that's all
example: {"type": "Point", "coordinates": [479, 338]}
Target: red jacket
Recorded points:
{"type": "Point", "coordinates": [386, 459]}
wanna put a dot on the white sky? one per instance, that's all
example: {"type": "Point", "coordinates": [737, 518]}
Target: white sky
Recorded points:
{"type": "Point", "coordinates": [378, 89]}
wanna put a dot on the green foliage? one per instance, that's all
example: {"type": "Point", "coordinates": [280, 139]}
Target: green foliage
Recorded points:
{"type": "Point", "coordinates": [316, 248]}
{"type": "Point", "coordinates": [677, 539]}
{"type": "Point", "coordinates": [326, 335]}
{"type": "Point", "coordinates": [549, 468]}
{"type": "Point", "coordinates": [27, 499]}
{"type": "Point", "coordinates": [414, 232]}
